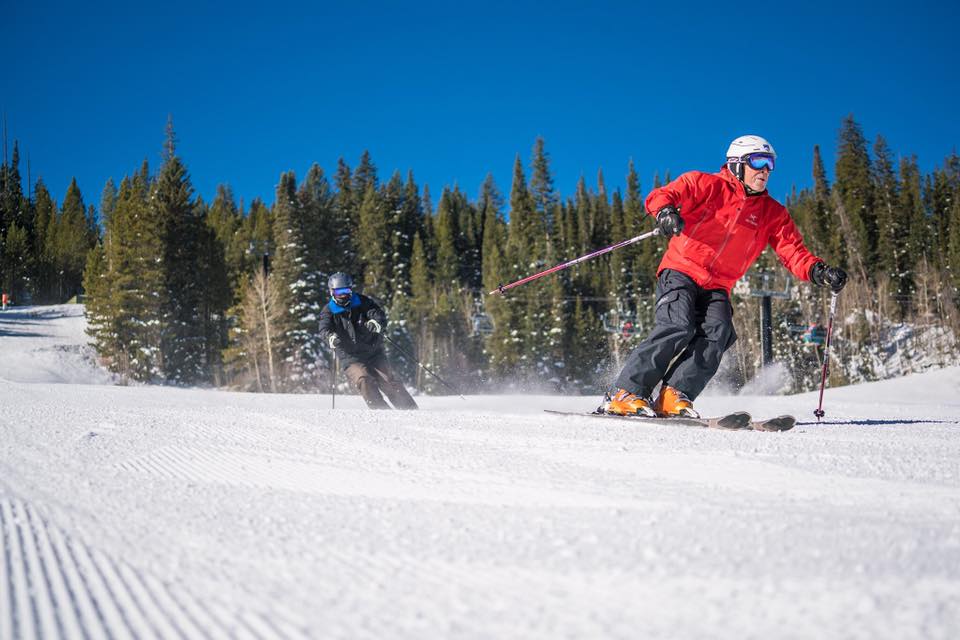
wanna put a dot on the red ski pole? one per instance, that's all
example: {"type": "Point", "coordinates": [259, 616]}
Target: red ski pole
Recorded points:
{"type": "Point", "coordinates": [826, 356]}
{"type": "Point", "coordinates": [560, 267]}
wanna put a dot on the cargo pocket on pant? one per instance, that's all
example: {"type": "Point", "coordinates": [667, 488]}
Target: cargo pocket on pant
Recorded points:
{"type": "Point", "coordinates": [720, 329]}
{"type": "Point", "coordinates": [674, 308]}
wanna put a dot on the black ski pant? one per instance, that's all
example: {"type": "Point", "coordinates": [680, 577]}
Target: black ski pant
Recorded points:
{"type": "Point", "coordinates": [693, 328]}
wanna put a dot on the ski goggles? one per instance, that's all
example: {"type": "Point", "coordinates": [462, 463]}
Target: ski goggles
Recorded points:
{"type": "Point", "coordinates": [759, 161]}
{"type": "Point", "coordinates": [341, 292]}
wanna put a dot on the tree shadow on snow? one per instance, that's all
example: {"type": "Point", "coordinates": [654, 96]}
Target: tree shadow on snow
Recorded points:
{"type": "Point", "coordinates": [22, 334]}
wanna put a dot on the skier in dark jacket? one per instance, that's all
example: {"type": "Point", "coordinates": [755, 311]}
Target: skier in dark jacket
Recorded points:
{"type": "Point", "coordinates": [352, 324]}
{"type": "Point", "coordinates": [719, 224]}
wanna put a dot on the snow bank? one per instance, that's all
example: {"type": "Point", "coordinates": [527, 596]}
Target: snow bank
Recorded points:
{"type": "Point", "coordinates": [48, 344]}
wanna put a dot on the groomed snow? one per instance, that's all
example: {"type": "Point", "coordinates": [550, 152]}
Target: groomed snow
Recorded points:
{"type": "Point", "coordinates": [160, 512]}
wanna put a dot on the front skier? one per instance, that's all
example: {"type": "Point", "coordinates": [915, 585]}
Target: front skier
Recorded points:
{"type": "Point", "coordinates": [719, 224]}
{"type": "Point", "coordinates": [351, 324]}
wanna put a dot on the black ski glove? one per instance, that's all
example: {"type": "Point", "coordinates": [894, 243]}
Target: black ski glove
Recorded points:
{"type": "Point", "coordinates": [333, 340]}
{"type": "Point", "coordinates": [824, 276]}
{"type": "Point", "coordinates": [669, 221]}
{"type": "Point", "coordinates": [373, 326]}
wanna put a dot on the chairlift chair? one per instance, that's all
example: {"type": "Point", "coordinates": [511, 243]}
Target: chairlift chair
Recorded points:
{"type": "Point", "coordinates": [620, 322]}
{"type": "Point", "coordinates": [815, 335]}
{"type": "Point", "coordinates": [481, 323]}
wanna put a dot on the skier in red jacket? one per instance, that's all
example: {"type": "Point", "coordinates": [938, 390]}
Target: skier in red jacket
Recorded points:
{"type": "Point", "coordinates": [718, 225]}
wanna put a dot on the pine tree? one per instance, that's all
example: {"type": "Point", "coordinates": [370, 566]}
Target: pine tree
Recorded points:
{"type": "Point", "coordinates": [421, 285]}
{"type": "Point", "coordinates": [364, 176]}
{"type": "Point", "coordinates": [69, 243]}
{"type": "Point", "coordinates": [490, 205]}
{"type": "Point", "coordinates": [952, 174]}
{"type": "Point", "coordinates": [589, 348]}
{"type": "Point", "coordinates": [419, 311]}
{"type": "Point", "coordinates": [44, 284]}
{"type": "Point", "coordinates": [316, 200]}
{"type": "Point", "coordinates": [426, 224]}
{"type": "Point", "coordinates": [855, 190]}
{"type": "Point", "coordinates": [469, 241]}
{"type": "Point", "coordinates": [584, 217]}
{"type": "Point", "coordinates": [541, 185]}
{"type": "Point", "coordinates": [618, 232]}
{"type": "Point", "coordinates": [827, 239]}
{"type": "Point", "coordinates": [216, 293]}
{"type": "Point", "coordinates": [93, 226]}
{"type": "Point", "coordinates": [939, 195]}
{"type": "Point", "coordinates": [527, 319]}
{"type": "Point", "coordinates": [183, 340]}
{"type": "Point", "coordinates": [13, 213]}
{"type": "Point", "coordinates": [641, 259]}
{"type": "Point", "coordinates": [374, 245]}
{"type": "Point", "coordinates": [391, 200]}
{"type": "Point", "coordinates": [501, 250]}
{"type": "Point", "coordinates": [346, 220]}
{"type": "Point", "coordinates": [407, 224]}
{"type": "Point", "coordinates": [124, 305]}
{"type": "Point", "coordinates": [448, 254]}
{"type": "Point", "coordinates": [257, 231]}
{"type": "Point", "coordinates": [953, 254]}
{"type": "Point", "coordinates": [225, 220]}
{"type": "Point", "coordinates": [108, 202]}
{"type": "Point", "coordinates": [918, 228]}
{"type": "Point", "coordinates": [316, 207]}
{"type": "Point", "coordinates": [299, 346]}
{"type": "Point", "coordinates": [15, 261]}
{"type": "Point", "coordinates": [891, 239]}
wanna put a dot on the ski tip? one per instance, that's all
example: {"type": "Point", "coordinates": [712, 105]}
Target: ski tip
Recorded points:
{"type": "Point", "coordinates": [732, 421]}
{"type": "Point", "coordinates": [780, 423]}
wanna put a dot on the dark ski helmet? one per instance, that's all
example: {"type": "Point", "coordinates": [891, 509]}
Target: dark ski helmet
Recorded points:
{"type": "Point", "coordinates": [340, 286]}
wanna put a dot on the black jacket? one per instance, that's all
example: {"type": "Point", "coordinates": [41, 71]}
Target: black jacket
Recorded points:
{"type": "Point", "coordinates": [357, 343]}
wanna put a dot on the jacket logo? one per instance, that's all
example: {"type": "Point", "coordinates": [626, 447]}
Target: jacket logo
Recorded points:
{"type": "Point", "coordinates": [752, 219]}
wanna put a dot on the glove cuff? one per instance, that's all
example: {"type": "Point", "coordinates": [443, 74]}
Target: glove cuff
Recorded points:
{"type": "Point", "coordinates": [666, 210]}
{"type": "Point", "coordinates": [816, 273]}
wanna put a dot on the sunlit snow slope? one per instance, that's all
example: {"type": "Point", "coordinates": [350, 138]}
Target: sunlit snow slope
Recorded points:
{"type": "Point", "coordinates": [140, 512]}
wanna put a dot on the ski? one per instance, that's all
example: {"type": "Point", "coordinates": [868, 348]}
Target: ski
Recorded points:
{"type": "Point", "coordinates": [736, 421]}
{"type": "Point", "coordinates": [730, 422]}
{"type": "Point", "coordinates": [780, 423]}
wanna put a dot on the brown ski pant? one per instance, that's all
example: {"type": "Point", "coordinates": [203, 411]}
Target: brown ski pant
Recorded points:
{"type": "Point", "coordinates": [374, 376]}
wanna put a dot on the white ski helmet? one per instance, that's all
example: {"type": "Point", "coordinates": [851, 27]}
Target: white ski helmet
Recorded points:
{"type": "Point", "coordinates": [743, 147]}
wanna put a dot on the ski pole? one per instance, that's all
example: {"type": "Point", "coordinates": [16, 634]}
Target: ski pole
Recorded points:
{"type": "Point", "coordinates": [826, 356]}
{"type": "Point", "coordinates": [559, 267]}
{"type": "Point", "coordinates": [333, 380]}
{"type": "Point", "coordinates": [403, 352]}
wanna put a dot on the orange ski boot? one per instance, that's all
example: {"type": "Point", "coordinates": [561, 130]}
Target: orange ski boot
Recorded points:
{"type": "Point", "coordinates": [672, 403]}
{"type": "Point", "coordinates": [624, 403]}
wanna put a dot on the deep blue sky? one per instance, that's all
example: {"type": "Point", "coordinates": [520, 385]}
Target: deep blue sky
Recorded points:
{"type": "Point", "coordinates": [454, 91]}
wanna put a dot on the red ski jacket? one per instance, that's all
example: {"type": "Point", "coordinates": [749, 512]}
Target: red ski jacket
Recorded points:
{"type": "Point", "coordinates": [725, 230]}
